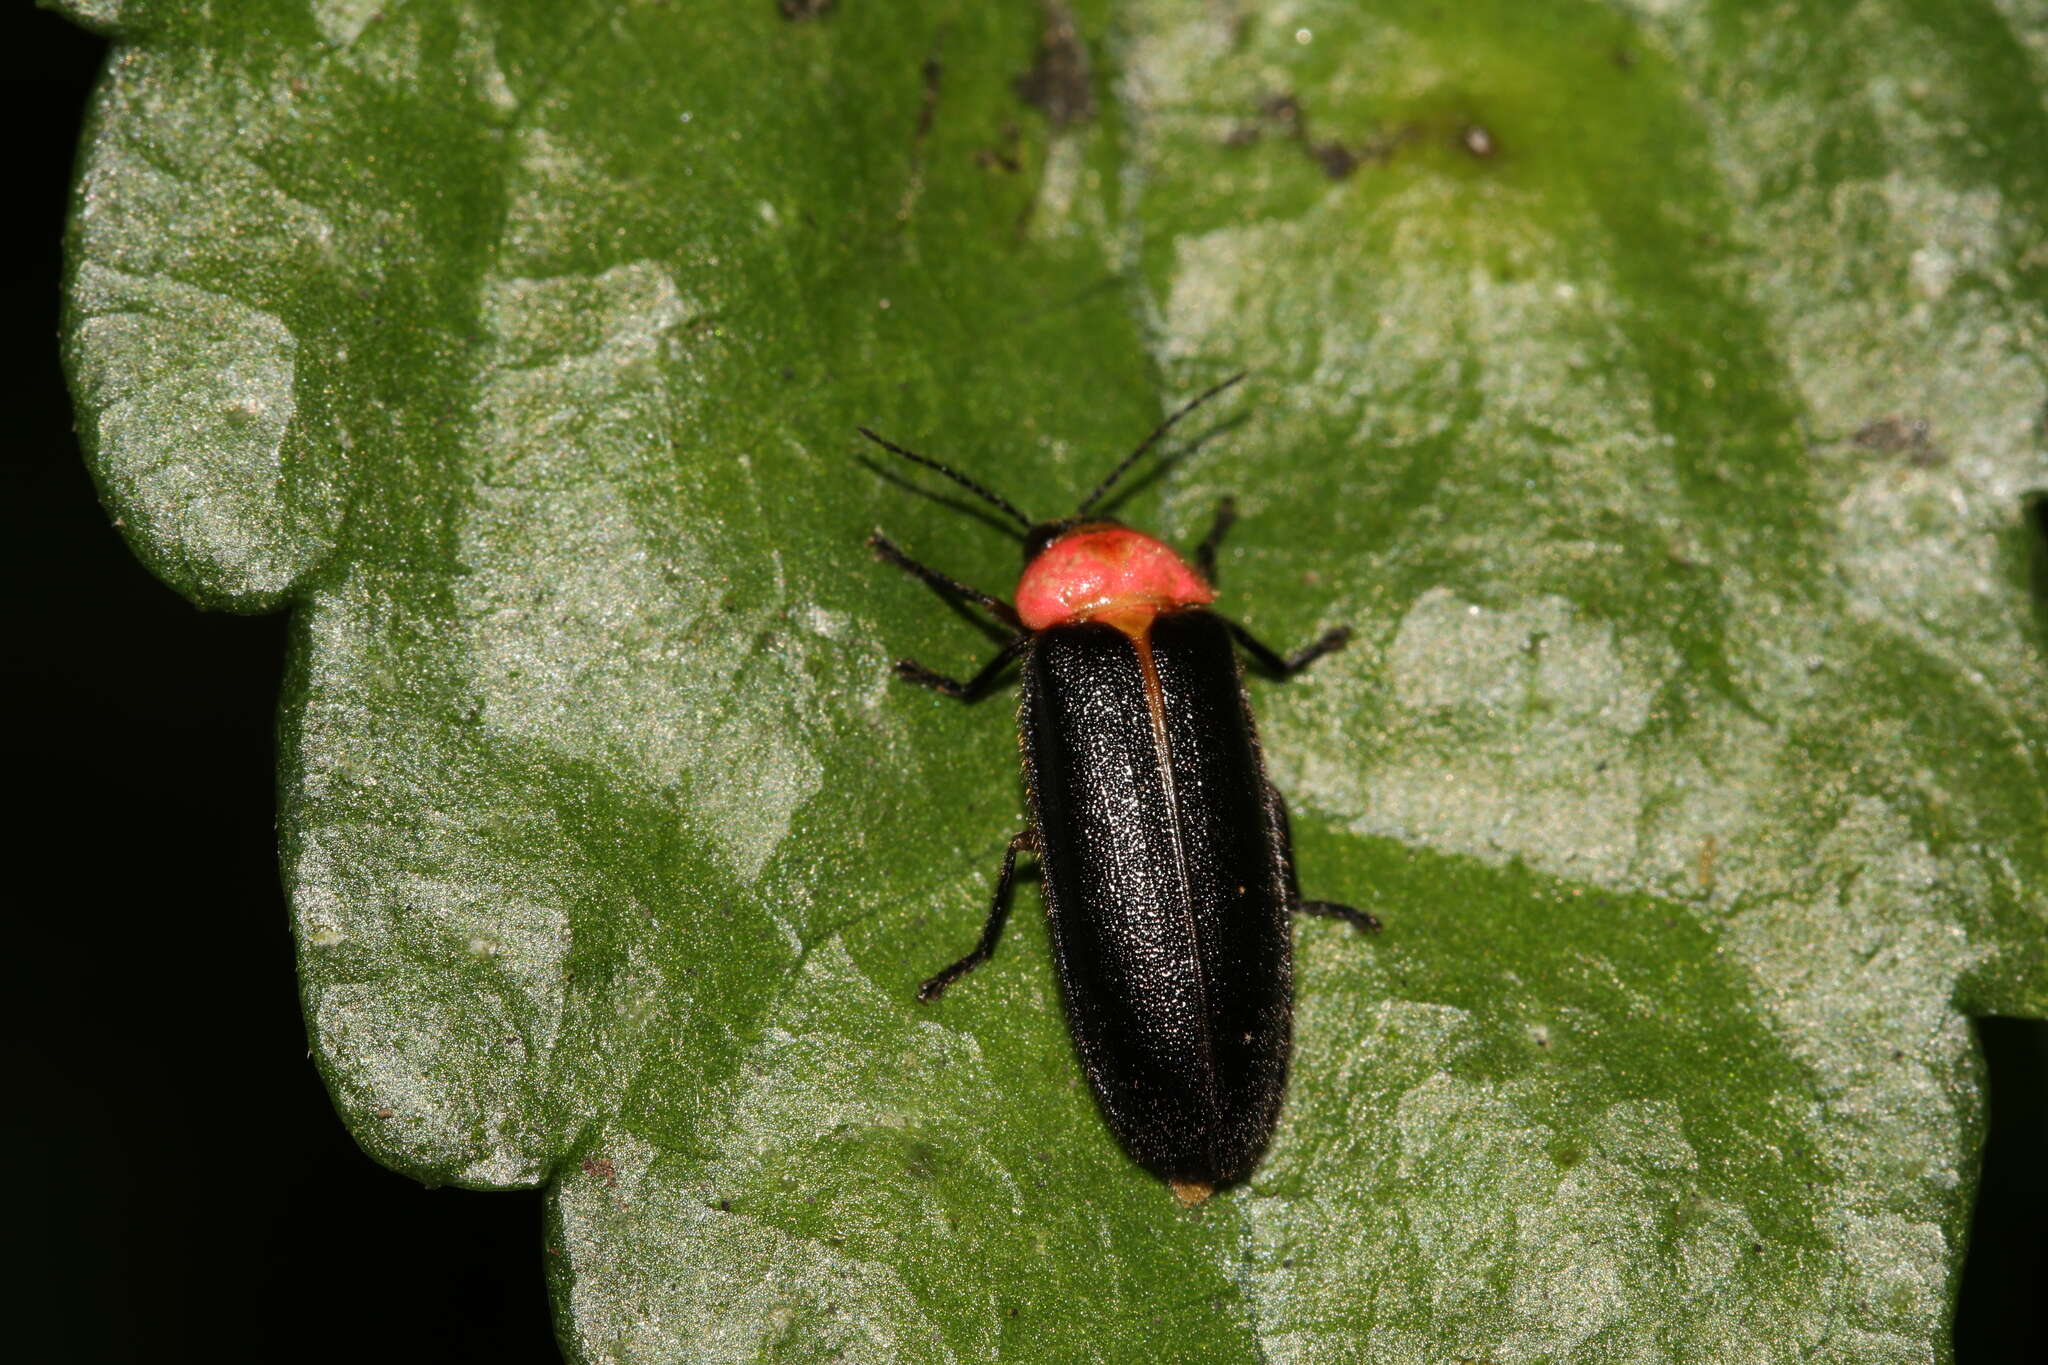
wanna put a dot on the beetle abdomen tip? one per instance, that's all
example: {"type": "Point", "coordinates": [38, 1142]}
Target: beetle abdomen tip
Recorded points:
{"type": "Point", "coordinates": [1190, 1192]}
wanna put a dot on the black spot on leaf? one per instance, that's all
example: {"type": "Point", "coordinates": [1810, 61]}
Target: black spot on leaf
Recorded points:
{"type": "Point", "coordinates": [1057, 84]}
{"type": "Point", "coordinates": [1907, 436]}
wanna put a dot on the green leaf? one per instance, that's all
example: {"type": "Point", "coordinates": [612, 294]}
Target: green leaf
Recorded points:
{"type": "Point", "coordinates": [1654, 387]}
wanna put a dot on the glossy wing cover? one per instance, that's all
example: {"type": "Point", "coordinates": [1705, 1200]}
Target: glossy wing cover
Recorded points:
{"type": "Point", "coordinates": [1165, 884]}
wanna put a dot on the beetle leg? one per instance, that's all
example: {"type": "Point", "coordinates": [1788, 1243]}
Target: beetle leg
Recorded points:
{"type": "Point", "coordinates": [998, 911]}
{"type": "Point", "coordinates": [912, 671]}
{"type": "Point", "coordinates": [1286, 667]}
{"type": "Point", "coordinates": [951, 587]}
{"type": "Point", "coordinates": [1352, 915]}
{"type": "Point", "coordinates": [1205, 553]}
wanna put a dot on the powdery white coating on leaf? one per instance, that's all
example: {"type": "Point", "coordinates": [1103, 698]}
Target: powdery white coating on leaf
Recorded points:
{"type": "Point", "coordinates": [1525, 1249]}
{"type": "Point", "coordinates": [1890, 1257]}
{"type": "Point", "coordinates": [553, 171]}
{"type": "Point", "coordinates": [432, 912]}
{"type": "Point", "coordinates": [1071, 198]}
{"type": "Point", "coordinates": [1451, 655]}
{"type": "Point", "coordinates": [552, 340]}
{"type": "Point", "coordinates": [862, 1185]}
{"type": "Point", "coordinates": [2029, 23]}
{"type": "Point", "coordinates": [187, 396]}
{"type": "Point", "coordinates": [342, 21]}
{"type": "Point", "coordinates": [1578, 1267]}
{"type": "Point", "coordinates": [1662, 9]}
{"type": "Point", "coordinates": [393, 1051]}
{"type": "Point", "coordinates": [1538, 370]}
{"type": "Point", "coordinates": [804, 1080]}
{"type": "Point", "coordinates": [183, 189]}
{"type": "Point", "coordinates": [1510, 723]}
{"type": "Point", "coordinates": [1865, 1006]}
{"type": "Point", "coordinates": [103, 16]}
{"type": "Point", "coordinates": [1931, 298]}
{"type": "Point", "coordinates": [1519, 724]}
{"type": "Point", "coordinates": [1652, 1132]}
{"type": "Point", "coordinates": [184, 227]}
{"type": "Point", "coordinates": [1529, 1259]}
{"type": "Point", "coordinates": [1711, 1252]}
{"type": "Point", "coordinates": [1919, 526]}
{"type": "Point", "coordinates": [674, 1277]}
{"type": "Point", "coordinates": [1925, 410]}
{"type": "Point", "coordinates": [477, 54]}
{"type": "Point", "coordinates": [458, 905]}
{"type": "Point", "coordinates": [701, 1276]}
{"type": "Point", "coordinates": [600, 635]}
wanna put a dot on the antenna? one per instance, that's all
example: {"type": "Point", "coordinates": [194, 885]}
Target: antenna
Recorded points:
{"type": "Point", "coordinates": [992, 498]}
{"type": "Point", "coordinates": [1146, 444]}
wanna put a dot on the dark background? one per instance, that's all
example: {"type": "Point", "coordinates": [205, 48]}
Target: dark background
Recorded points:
{"type": "Point", "coordinates": [189, 1191]}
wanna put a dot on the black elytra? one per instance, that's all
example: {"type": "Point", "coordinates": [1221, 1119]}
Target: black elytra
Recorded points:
{"type": "Point", "coordinates": [1165, 852]}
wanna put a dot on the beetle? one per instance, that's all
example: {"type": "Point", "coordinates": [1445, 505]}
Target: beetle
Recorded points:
{"type": "Point", "coordinates": [1164, 850]}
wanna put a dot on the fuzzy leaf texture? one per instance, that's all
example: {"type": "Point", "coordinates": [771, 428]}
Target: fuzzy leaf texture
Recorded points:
{"type": "Point", "coordinates": [1656, 388]}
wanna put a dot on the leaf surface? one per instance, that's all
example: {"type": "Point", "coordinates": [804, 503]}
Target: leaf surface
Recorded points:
{"type": "Point", "coordinates": [1655, 388]}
